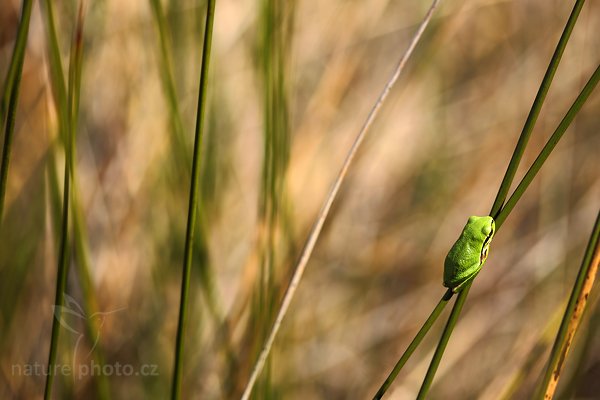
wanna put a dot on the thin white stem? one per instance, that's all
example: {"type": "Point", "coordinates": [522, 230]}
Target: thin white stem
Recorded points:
{"type": "Point", "coordinates": [318, 225]}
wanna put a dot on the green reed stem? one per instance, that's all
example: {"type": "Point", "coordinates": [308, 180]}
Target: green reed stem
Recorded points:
{"type": "Point", "coordinates": [556, 136]}
{"type": "Point", "coordinates": [583, 96]}
{"type": "Point", "coordinates": [11, 95]}
{"type": "Point", "coordinates": [439, 351]}
{"type": "Point", "coordinates": [559, 349]}
{"type": "Point", "coordinates": [182, 158]}
{"type": "Point", "coordinates": [63, 258]}
{"type": "Point", "coordinates": [414, 344]}
{"type": "Point", "coordinates": [192, 209]}
{"type": "Point", "coordinates": [535, 110]}
{"type": "Point", "coordinates": [502, 212]}
{"type": "Point", "coordinates": [180, 155]}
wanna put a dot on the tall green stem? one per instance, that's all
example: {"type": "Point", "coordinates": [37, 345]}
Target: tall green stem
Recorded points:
{"type": "Point", "coordinates": [562, 127]}
{"type": "Point", "coordinates": [414, 344]}
{"type": "Point", "coordinates": [497, 210]}
{"type": "Point", "coordinates": [439, 351]}
{"type": "Point", "coordinates": [556, 136]}
{"type": "Point", "coordinates": [535, 110]}
{"type": "Point", "coordinates": [192, 209]}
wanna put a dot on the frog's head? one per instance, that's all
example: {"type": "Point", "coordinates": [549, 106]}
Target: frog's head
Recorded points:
{"type": "Point", "coordinates": [482, 229]}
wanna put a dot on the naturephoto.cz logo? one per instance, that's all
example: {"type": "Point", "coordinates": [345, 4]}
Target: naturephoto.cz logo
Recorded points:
{"type": "Point", "coordinates": [92, 324]}
{"type": "Point", "coordinates": [84, 370]}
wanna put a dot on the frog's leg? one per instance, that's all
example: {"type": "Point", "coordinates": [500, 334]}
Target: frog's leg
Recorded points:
{"type": "Point", "coordinates": [468, 279]}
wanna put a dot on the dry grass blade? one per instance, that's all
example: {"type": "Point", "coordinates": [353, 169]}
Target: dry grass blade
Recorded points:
{"type": "Point", "coordinates": [321, 217]}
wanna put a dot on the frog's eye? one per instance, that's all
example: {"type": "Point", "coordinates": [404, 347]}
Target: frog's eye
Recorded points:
{"type": "Point", "coordinates": [487, 230]}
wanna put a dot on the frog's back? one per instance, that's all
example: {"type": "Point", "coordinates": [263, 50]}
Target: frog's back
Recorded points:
{"type": "Point", "coordinates": [459, 265]}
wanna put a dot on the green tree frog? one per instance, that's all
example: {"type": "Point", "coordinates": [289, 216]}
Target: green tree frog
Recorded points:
{"type": "Point", "coordinates": [468, 254]}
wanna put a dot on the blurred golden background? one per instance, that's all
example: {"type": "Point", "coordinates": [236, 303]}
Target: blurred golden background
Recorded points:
{"type": "Point", "coordinates": [290, 85]}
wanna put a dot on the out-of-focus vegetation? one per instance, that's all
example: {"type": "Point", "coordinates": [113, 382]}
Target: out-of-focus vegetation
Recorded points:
{"type": "Point", "coordinates": [290, 85]}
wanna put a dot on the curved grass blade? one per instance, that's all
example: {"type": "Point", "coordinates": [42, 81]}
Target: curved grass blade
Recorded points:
{"type": "Point", "coordinates": [192, 208]}
{"type": "Point", "coordinates": [322, 216]}
{"type": "Point", "coordinates": [572, 317]}
{"type": "Point", "coordinates": [11, 95]}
